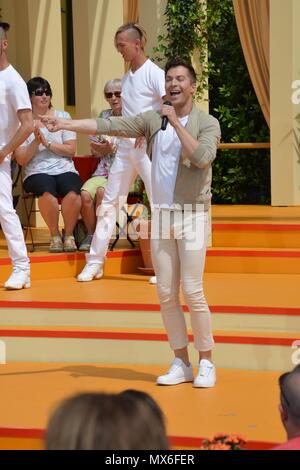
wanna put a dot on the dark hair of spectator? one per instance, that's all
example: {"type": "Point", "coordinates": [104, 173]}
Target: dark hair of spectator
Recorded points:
{"type": "Point", "coordinates": [38, 82]}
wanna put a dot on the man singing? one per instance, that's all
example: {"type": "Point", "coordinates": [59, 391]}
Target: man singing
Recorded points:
{"type": "Point", "coordinates": [182, 156]}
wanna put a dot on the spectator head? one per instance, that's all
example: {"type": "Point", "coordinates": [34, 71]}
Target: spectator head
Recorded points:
{"type": "Point", "coordinates": [112, 93]}
{"type": "Point", "coordinates": [38, 88]}
{"type": "Point", "coordinates": [130, 40]}
{"type": "Point", "coordinates": [147, 400]}
{"type": "Point", "coordinates": [178, 62]}
{"type": "Point", "coordinates": [289, 384]}
{"type": "Point", "coordinates": [99, 421]}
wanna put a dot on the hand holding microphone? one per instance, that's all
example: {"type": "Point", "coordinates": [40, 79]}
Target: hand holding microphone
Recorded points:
{"type": "Point", "coordinates": [165, 119]}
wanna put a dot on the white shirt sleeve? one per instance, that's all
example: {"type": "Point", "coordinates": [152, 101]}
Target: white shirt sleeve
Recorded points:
{"type": "Point", "coordinates": [158, 80]}
{"type": "Point", "coordinates": [19, 96]}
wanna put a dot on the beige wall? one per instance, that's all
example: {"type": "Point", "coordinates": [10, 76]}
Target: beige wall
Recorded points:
{"type": "Point", "coordinates": [35, 45]}
{"type": "Point", "coordinates": [96, 60]}
{"type": "Point", "coordinates": [284, 69]}
{"type": "Point", "coordinates": [35, 41]}
{"type": "Point", "coordinates": [152, 19]}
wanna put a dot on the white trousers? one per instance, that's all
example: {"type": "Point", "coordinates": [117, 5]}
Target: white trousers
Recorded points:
{"type": "Point", "coordinates": [128, 163]}
{"type": "Point", "coordinates": [181, 257]}
{"type": "Point", "coordinates": [10, 221]}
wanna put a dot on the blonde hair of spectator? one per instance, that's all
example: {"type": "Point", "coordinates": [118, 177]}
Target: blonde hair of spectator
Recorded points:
{"type": "Point", "coordinates": [136, 32]}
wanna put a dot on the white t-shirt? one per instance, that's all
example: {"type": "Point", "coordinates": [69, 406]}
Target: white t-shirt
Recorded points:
{"type": "Point", "coordinates": [13, 97]}
{"type": "Point", "coordinates": [46, 161]}
{"type": "Point", "coordinates": [143, 89]}
{"type": "Point", "coordinates": [165, 159]}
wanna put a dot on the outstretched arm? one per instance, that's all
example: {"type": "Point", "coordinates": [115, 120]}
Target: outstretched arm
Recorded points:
{"type": "Point", "coordinates": [84, 126]}
{"type": "Point", "coordinates": [120, 126]}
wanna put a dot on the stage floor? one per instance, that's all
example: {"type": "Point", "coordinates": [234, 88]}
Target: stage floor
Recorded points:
{"type": "Point", "coordinates": [251, 282]}
{"type": "Point", "coordinates": [242, 401]}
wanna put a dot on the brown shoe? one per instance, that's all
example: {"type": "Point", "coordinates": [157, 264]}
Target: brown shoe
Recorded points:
{"type": "Point", "coordinates": [69, 244]}
{"type": "Point", "coordinates": [56, 244]}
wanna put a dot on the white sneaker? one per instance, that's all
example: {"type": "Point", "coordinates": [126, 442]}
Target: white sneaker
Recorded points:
{"type": "Point", "coordinates": [177, 374]}
{"type": "Point", "coordinates": [90, 272]}
{"type": "Point", "coordinates": [153, 280]}
{"type": "Point", "coordinates": [206, 375]}
{"type": "Point", "coordinates": [19, 279]}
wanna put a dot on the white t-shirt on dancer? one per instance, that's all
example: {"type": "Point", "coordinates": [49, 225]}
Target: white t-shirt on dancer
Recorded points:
{"type": "Point", "coordinates": [13, 97]}
{"type": "Point", "coordinates": [142, 91]}
{"type": "Point", "coordinates": [165, 160]}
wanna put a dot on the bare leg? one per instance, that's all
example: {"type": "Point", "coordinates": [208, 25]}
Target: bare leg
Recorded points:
{"type": "Point", "coordinates": [99, 196]}
{"type": "Point", "coordinates": [183, 355]}
{"type": "Point", "coordinates": [88, 212]}
{"type": "Point", "coordinates": [205, 355]}
{"type": "Point", "coordinates": [70, 209]}
{"type": "Point", "coordinates": [49, 209]}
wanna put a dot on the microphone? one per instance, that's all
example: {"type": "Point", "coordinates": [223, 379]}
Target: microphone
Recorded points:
{"type": "Point", "coordinates": [165, 119]}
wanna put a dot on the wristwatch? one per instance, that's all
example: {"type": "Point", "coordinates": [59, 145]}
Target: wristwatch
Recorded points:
{"type": "Point", "coordinates": [49, 144]}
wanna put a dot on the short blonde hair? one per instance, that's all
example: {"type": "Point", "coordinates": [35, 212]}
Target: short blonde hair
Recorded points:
{"type": "Point", "coordinates": [137, 31]}
{"type": "Point", "coordinates": [115, 82]}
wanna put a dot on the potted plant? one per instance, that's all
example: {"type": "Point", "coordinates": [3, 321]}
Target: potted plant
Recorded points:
{"type": "Point", "coordinates": [223, 441]}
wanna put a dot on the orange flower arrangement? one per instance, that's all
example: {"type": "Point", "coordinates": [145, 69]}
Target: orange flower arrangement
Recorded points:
{"type": "Point", "coordinates": [222, 441]}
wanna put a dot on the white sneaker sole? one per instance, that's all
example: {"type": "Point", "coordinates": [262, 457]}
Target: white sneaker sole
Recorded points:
{"type": "Point", "coordinates": [195, 385]}
{"type": "Point", "coordinates": [94, 278]}
{"type": "Point", "coordinates": [179, 381]}
{"type": "Point", "coordinates": [24, 286]}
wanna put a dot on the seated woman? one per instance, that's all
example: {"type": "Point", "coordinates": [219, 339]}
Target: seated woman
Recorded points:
{"type": "Point", "coordinates": [93, 190]}
{"type": "Point", "coordinates": [49, 169]}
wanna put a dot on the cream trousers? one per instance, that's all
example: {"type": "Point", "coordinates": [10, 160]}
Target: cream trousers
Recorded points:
{"type": "Point", "coordinates": [179, 257]}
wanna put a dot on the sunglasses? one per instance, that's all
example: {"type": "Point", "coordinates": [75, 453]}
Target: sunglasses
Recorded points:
{"type": "Point", "coordinates": [109, 95]}
{"type": "Point", "coordinates": [41, 92]}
